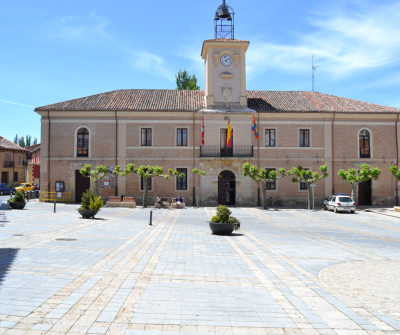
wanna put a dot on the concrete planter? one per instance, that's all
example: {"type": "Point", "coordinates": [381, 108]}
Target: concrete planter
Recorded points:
{"type": "Point", "coordinates": [87, 213]}
{"type": "Point", "coordinates": [218, 228]}
{"type": "Point", "coordinates": [17, 205]}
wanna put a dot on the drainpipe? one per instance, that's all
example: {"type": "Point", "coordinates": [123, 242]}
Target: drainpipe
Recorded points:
{"type": "Point", "coordinates": [258, 157]}
{"type": "Point", "coordinates": [397, 159]}
{"type": "Point", "coordinates": [194, 158]}
{"type": "Point", "coordinates": [333, 154]}
{"type": "Point", "coordinates": [48, 153]}
{"type": "Point", "coordinates": [116, 154]}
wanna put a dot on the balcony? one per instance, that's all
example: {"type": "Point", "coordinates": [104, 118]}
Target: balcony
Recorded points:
{"type": "Point", "coordinates": [8, 164]}
{"type": "Point", "coordinates": [217, 151]}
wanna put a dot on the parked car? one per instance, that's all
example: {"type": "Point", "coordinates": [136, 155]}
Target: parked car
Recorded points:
{"type": "Point", "coordinates": [340, 203]}
{"type": "Point", "coordinates": [25, 187]}
{"type": "Point", "coordinates": [6, 189]}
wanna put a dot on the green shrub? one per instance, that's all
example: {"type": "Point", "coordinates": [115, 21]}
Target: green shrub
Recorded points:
{"type": "Point", "coordinates": [18, 197]}
{"type": "Point", "coordinates": [224, 215]}
{"type": "Point", "coordinates": [96, 203]}
{"type": "Point", "coordinates": [86, 197]}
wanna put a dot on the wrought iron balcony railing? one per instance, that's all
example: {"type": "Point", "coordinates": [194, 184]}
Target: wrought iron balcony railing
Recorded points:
{"type": "Point", "coordinates": [217, 151]}
{"type": "Point", "coordinates": [8, 164]}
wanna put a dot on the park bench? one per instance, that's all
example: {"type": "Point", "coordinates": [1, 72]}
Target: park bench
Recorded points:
{"type": "Point", "coordinates": [178, 206]}
{"type": "Point", "coordinates": [164, 203]}
{"type": "Point", "coordinates": [129, 202]}
{"type": "Point", "coordinates": [114, 201]}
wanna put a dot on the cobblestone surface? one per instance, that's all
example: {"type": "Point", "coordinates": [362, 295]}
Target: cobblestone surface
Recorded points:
{"type": "Point", "coordinates": [286, 272]}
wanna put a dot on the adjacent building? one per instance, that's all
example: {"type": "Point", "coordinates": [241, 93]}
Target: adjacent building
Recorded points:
{"type": "Point", "coordinates": [13, 160]}
{"type": "Point", "coordinates": [187, 129]}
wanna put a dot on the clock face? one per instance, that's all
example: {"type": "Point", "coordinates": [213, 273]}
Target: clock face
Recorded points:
{"type": "Point", "coordinates": [226, 60]}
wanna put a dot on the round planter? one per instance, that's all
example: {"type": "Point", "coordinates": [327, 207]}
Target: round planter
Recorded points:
{"type": "Point", "coordinates": [17, 205]}
{"type": "Point", "coordinates": [87, 213]}
{"type": "Point", "coordinates": [222, 228]}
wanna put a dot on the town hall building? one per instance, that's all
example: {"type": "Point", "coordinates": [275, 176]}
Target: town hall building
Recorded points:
{"type": "Point", "coordinates": [164, 127]}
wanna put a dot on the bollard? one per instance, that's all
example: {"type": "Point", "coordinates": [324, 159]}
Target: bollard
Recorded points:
{"type": "Point", "coordinates": [151, 218]}
{"type": "Point", "coordinates": [54, 211]}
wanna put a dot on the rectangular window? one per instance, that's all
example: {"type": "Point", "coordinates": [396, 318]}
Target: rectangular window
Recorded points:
{"type": "Point", "coordinates": [304, 138]}
{"type": "Point", "coordinates": [149, 184]}
{"type": "Point", "coordinates": [181, 137]}
{"type": "Point", "coordinates": [272, 184]}
{"type": "Point", "coordinates": [181, 183]}
{"type": "Point", "coordinates": [269, 137]}
{"type": "Point", "coordinates": [20, 160]}
{"type": "Point", "coordinates": [15, 177]}
{"type": "Point", "coordinates": [146, 137]}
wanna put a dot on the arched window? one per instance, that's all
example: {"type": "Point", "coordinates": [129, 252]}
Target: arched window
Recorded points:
{"type": "Point", "coordinates": [82, 143]}
{"type": "Point", "coordinates": [364, 140]}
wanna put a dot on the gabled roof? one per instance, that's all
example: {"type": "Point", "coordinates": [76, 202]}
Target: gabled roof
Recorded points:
{"type": "Point", "coordinates": [305, 101]}
{"type": "Point", "coordinates": [8, 145]}
{"type": "Point", "coordinates": [186, 100]}
{"type": "Point", "coordinates": [134, 100]}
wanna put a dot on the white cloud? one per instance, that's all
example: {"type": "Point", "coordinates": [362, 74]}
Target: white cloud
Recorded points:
{"type": "Point", "coordinates": [80, 27]}
{"type": "Point", "coordinates": [150, 63]}
{"type": "Point", "coordinates": [344, 41]}
{"type": "Point", "coordinates": [15, 103]}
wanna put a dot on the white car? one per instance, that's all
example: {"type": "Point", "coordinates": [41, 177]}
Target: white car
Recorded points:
{"type": "Point", "coordinates": [340, 203]}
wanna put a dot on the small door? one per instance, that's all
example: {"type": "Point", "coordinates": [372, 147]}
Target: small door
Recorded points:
{"type": "Point", "coordinates": [226, 188]}
{"type": "Point", "coordinates": [365, 193]}
{"type": "Point", "coordinates": [4, 177]}
{"type": "Point", "coordinates": [81, 185]}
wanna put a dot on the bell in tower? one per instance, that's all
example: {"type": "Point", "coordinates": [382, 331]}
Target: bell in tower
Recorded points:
{"type": "Point", "coordinates": [224, 22]}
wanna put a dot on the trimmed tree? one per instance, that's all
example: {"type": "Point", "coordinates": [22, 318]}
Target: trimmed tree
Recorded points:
{"type": "Point", "coordinates": [147, 172]}
{"type": "Point", "coordinates": [200, 173]}
{"type": "Point", "coordinates": [262, 176]}
{"type": "Point", "coordinates": [395, 171]}
{"type": "Point", "coordinates": [354, 176]}
{"type": "Point", "coordinates": [308, 177]}
{"type": "Point", "coordinates": [96, 174]}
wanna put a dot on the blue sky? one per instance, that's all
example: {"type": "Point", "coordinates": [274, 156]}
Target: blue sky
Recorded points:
{"type": "Point", "coordinates": [53, 51]}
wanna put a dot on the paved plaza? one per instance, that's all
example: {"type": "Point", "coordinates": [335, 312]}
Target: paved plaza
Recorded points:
{"type": "Point", "coordinates": [287, 271]}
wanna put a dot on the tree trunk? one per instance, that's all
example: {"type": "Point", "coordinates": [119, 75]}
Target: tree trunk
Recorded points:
{"type": "Point", "coordinates": [310, 196]}
{"type": "Point", "coordinates": [199, 191]}
{"type": "Point", "coordinates": [96, 188]}
{"type": "Point", "coordinates": [354, 194]}
{"type": "Point", "coordinates": [145, 195]}
{"type": "Point", "coordinates": [264, 195]}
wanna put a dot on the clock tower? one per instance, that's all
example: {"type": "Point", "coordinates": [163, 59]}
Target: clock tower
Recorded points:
{"type": "Point", "coordinates": [225, 65]}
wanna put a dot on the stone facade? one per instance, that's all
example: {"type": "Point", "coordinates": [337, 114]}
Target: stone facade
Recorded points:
{"type": "Point", "coordinates": [163, 127]}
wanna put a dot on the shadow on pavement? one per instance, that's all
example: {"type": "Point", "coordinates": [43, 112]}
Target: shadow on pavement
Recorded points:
{"type": "Point", "coordinates": [7, 257]}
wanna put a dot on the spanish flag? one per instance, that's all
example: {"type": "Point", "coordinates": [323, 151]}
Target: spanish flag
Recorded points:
{"type": "Point", "coordinates": [254, 127]}
{"type": "Point", "coordinates": [229, 134]}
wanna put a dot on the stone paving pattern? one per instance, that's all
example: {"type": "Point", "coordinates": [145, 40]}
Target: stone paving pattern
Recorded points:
{"type": "Point", "coordinates": [288, 271]}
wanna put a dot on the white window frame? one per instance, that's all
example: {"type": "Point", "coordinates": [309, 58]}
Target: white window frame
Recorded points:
{"type": "Point", "coordinates": [276, 137]}
{"type": "Point", "coordinates": [310, 136]}
{"type": "Point", "coordinates": [140, 137]}
{"type": "Point", "coordinates": [76, 141]}
{"type": "Point", "coordinates": [370, 143]}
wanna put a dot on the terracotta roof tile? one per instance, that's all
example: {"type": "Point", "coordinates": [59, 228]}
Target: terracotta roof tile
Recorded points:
{"type": "Point", "coordinates": [8, 145]}
{"type": "Point", "coordinates": [186, 100]}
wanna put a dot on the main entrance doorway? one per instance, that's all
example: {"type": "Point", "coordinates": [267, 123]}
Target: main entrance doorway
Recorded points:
{"type": "Point", "coordinates": [226, 188]}
{"type": "Point", "coordinates": [81, 185]}
{"type": "Point", "coordinates": [365, 193]}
